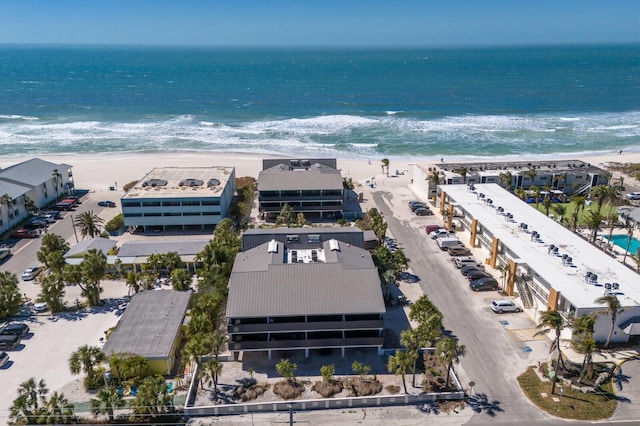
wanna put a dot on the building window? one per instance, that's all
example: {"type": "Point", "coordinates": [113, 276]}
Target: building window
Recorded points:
{"type": "Point", "coordinates": [152, 214]}
{"type": "Point", "coordinates": [172, 214]}
{"type": "Point", "coordinates": [211, 202]}
{"type": "Point", "coordinates": [191, 214]}
{"type": "Point", "coordinates": [210, 213]}
{"type": "Point", "coordinates": [191, 203]}
{"type": "Point", "coordinates": [314, 238]}
{"type": "Point", "coordinates": [171, 203]}
{"type": "Point", "coordinates": [132, 214]}
{"type": "Point", "coordinates": [151, 204]}
{"type": "Point", "coordinates": [130, 203]}
{"type": "Point", "coordinates": [293, 238]}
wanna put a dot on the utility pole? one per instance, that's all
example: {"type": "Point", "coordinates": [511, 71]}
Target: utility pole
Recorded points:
{"type": "Point", "coordinates": [74, 228]}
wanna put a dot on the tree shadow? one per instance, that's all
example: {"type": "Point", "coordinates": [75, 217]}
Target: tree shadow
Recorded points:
{"type": "Point", "coordinates": [480, 403]}
{"type": "Point", "coordinates": [408, 277]}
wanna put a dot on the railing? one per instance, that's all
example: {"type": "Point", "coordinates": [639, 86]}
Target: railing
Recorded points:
{"type": "Point", "coordinates": [306, 326]}
{"type": "Point", "coordinates": [261, 345]}
{"type": "Point", "coordinates": [525, 294]}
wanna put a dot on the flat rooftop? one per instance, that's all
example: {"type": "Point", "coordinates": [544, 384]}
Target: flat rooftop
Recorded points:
{"type": "Point", "coordinates": [569, 280]}
{"type": "Point", "coordinates": [548, 166]}
{"type": "Point", "coordinates": [180, 182]}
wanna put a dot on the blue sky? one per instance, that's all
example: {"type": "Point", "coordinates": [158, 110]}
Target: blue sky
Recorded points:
{"type": "Point", "coordinates": [320, 22]}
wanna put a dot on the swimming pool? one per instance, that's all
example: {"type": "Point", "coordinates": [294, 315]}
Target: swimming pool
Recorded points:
{"type": "Point", "coordinates": [623, 240]}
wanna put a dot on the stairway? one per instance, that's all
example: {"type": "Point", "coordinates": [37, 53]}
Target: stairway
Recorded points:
{"type": "Point", "coordinates": [525, 294]}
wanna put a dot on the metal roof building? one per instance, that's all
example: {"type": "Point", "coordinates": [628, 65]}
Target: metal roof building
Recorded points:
{"type": "Point", "coordinates": [557, 268]}
{"type": "Point", "coordinates": [151, 327]}
{"type": "Point", "coordinates": [282, 297]}
{"type": "Point", "coordinates": [302, 237]}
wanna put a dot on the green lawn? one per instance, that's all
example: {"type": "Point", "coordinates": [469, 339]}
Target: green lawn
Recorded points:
{"type": "Point", "coordinates": [606, 208]}
{"type": "Point", "coordinates": [573, 404]}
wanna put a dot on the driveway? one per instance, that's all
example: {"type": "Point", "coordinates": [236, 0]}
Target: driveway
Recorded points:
{"type": "Point", "coordinates": [627, 388]}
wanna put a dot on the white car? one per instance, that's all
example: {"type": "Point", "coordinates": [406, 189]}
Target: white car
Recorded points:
{"type": "Point", "coordinates": [439, 233]}
{"type": "Point", "coordinates": [40, 307]}
{"type": "Point", "coordinates": [500, 306]}
{"type": "Point", "coordinates": [4, 358]}
{"type": "Point", "coordinates": [633, 196]}
{"type": "Point", "coordinates": [31, 273]}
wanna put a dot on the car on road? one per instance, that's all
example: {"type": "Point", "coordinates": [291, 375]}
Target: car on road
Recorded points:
{"type": "Point", "coordinates": [39, 223]}
{"type": "Point", "coordinates": [459, 251]}
{"type": "Point", "coordinates": [106, 203]}
{"type": "Point", "coordinates": [422, 211]}
{"type": "Point", "coordinates": [14, 328]}
{"type": "Point", "coordinates": [483, 284]}
{"type": "Point", "coordinates": [31, 273]}
{"type": "Point", "coordinates": [632, 196]}
{"type": "Point", "coordinates": [9, 341]}
{"type": "Point", "coordinates": [24, 233]}
{"type": "Point", "coordinates": [501, 306]}
{"type": "Point", "coordinates": [439, 233]}
{"type": "Point", "coordinates": [4, 358]}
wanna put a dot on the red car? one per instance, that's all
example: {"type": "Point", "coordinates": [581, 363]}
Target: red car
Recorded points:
{"type": "Point", "coordinates": [24, 233]}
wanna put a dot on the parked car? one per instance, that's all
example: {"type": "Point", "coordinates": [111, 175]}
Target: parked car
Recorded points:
{"type": "Point", "coordinates": [466, 261]}
{"type": "Point", "coordinates": [431, 228]}
{"type": "Point", "coordinates": [500, 306]}
{"type": "Point", "coordinates": [40, 307]}
{"type": "Point", "coordinates": [4, 358]}
{"type": "Point", "coordinates": [633, 196]}
{"type": "Point", "coordinates": [24, 233]}
{"type": "Point", "coordinates": [445, 242]}
{"type": "Point", "coordinates": [106, 204]}
{"type": "Point", "coordinates": [64, 205]}
{"type": "Point", "coordinates": [412, 202]}
{"type": "Point", "coordinates": [47, 218]}
{"type": "Point", "coordinates": [54, 213]}
{"type": "Point", "coordinates": [476, 274]}
{"type": "Point", "coordinates": [9, 341]}
{"type": "Point", "coordinates": [439, 233]}
{"type": "Point", "coordinates": [416, 206]}
{"type": "Point", "coordinates": [14, 328]}
{"type": "Point", "coordinates": [485, 283]}
{"type": "Point", "coordinates": [4, 253]}
{"type": "Point", "coordinates": [31, 273]}
{"type": "Point", "coordinates": [39, 223]}
{"type": "Point", "coordinates": [423, 211]}
{"type": "Point", "coordinates": [458, 251]}
{"type": "Point", "coordinates": [464, 270]}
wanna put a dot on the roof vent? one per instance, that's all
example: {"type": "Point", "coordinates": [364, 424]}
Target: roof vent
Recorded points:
{"type": "Point", "coordinates": [154, 182]}
{"type": "Point", "coordinates": [334, 245]}
{"type": "Point", "coordinates": [273, 247]}
{"type": "Point", "coordinates": [190, 182]}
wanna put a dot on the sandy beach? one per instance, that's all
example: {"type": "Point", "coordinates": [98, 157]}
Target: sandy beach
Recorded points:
{"type": "Point", "coordinates": [98, 172]}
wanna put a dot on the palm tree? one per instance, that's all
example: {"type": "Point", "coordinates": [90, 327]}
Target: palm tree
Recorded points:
{"type": "Point", "coordinates": [7, 201]}
{"type": "Point", "coordinates": [614, 307]}
{"type": "Point", "coordinates": [629, 239]}
{"type": "Point", "coordinates": [27, 407]}
{"type": "Point", "coordinates": [612, 219]}
{"type": "Point", "coordinates": [88, 224]}
{"type": "Point", "coordinates": [327, 372]}
{"type": "Point", "coordinates": [531, 174]}
{"type": "Point", "coordinates": [547, 203]}
{"type": "Point", "coordinates": [552, 320]}
{"type": "Point", "coordinates": [53, 290]}
{"type": "Point", "coordinates": [58, 410]}
{"type": "Point", "coordinates": [199, 345]}
{"type": "Point", "coordinates": [594, 220]}
{"type": "Point", "coordinates": [180, 279]}
{"type": "Point", "coordinates": [506, 178]}
{"type": "Point", "coordinates": [86, 358]}
{"type": "Point", "coordinates": [385, 163]}
{"type": "Point", "coordinates": [449, 352]}
{"type": "Point", "coordinates": [400, 363]}
{"type": "Point", "coordinates": [211, 371]}
{"type": "Point", "coordinates": [462, 171]}
{"type": "Point", "coordinates": [172, 261]}
{"type": "Point", "coordinates": [579, 201]}
{"type": "Point", "coordinates": [287, 369]}
{"type": "Point", "coordinates": [410, 338]}
{"type": "Point", "coordinates": [29, 204]}
{"type": "Point", "coordinates": [152, 398]}
{"type": "Point", "coordinates": [106, 401]}
{"type": "Point", "coordinates": [94, 268]}
{"type": "Point", "coordinates": [584, 342]}
{"type": "Point", "coordinates": [57, 181]}
{"type": "Point", "coordinates": [133, 282]}
{"type": "Point", "coordinates": [10, 295]}
{"type": "Point", "coordinates": [560, 210]}
{"type": "Point", "coordinates": [601, 193]}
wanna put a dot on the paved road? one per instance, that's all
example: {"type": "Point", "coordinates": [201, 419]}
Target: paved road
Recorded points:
{"type": "Point", "coordinates": [627, 388]}
{"type": "Point", "coordinates": [493, 360]}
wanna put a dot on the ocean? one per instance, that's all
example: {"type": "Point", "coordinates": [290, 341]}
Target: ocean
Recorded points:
{"type": "Point", "coordinates": [459, 103]}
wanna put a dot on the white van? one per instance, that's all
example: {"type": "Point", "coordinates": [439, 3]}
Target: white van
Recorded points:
{"type": "Point", "coordinates": [466, 261]}
{"type": "Point", "coordinates": [446, 242]}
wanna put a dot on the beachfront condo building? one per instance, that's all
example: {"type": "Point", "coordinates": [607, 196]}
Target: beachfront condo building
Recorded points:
{"type": "Point", "coordinates": [544, 264]}
{"type": "Point", "coordinates": [31, 185]}
{"type": "Point", "coordinates": [182, 197]}
{"type": "Point", "coordinates": [304, 289]}
{"type": "Point", "coordinates": [313, 187]}
{"type": "Point", "coordinates": [557, 178]}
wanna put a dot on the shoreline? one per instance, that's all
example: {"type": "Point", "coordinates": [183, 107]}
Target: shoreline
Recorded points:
{"type": "Point", "coordinates": [99, 171]}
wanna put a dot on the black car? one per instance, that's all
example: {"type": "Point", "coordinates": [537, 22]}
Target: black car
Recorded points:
{"type": "Point", "coordinates": [468, 268]}
{"type": "Point", "coordinates": [4, 358]}
{"type": "Point", "coordinates": [417, 205]}
{"type": "Point", "coordinates": [9, 341]}
{"type": "Point", "coordinates": [422, 211]}
{"type": "Point", "coordinates": [475, 275]}
{"type": "Point", "coordinates": [14, 328]}
{"type": "Point", "coordinates": [482, 284]}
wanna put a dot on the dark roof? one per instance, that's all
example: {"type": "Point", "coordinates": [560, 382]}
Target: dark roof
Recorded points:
{"type": "Point", "coordinates": [254, 237]}
{"type": "Point", "coordinates": [150, 324]}
{"type": "Point", "coordinates": [284, 178]}
{"type": "Point", "coordinates": [297, 163]}
{"type": "Point", "coordinates": [262, 284]}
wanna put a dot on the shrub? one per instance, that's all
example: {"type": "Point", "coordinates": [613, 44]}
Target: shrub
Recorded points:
{"type": "Point", "coordinates": [114, 224]}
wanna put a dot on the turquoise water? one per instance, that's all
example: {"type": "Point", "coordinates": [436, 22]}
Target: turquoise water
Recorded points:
{"type": "Point", "coordinates": [622, 241]}
{"type": "Point", "coordinates": [454, 103]}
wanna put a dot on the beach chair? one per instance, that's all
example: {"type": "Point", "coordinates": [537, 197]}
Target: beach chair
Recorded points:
{"type": "Point", "coordinates": [134, 390]}
{"type": "Point", "coordinates": [170, 387]}
{"type": "Point", "coordinates": [120, 391]}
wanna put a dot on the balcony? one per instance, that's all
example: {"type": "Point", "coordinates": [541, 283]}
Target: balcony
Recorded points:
{"type": "Point", "coordinates": [306, 326]}
{"type": "Point", "coordinates": [306, 344]}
